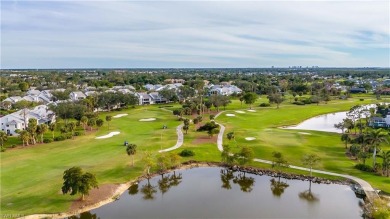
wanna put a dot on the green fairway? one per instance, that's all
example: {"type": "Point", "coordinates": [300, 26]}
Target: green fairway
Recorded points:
{"type": "Point", "coordinates": [31, 177]}
{"type": "Point", "coordinates": [264, 126]}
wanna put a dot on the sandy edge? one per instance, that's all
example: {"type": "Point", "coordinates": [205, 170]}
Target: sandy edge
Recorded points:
{"type": "Point", "coordinates": [118, 191]}
{"type": "Point", "coordinates": [109, 135]}
{"type": "Point", "coordinates": [120, 115]}
{"type": "Point", "coordinates": [147, 120]}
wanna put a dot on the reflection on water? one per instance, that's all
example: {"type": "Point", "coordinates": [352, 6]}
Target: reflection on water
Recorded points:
{"type": "Point", "coordinates": [85, 215]}
{"type": "Point", "coordinates": [308, 195]}
{"type": "Point", "coordinates": [221, 193]}
{"type": "Point", "coordinates": [245, 182]}
{"type": "Point", "coordinates": [278, 187]}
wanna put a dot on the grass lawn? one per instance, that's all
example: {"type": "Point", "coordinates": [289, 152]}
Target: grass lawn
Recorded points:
{"type": "Point", "coordinates": [31, 177]}
{"type": "Point", "coordinates": [263, 125]}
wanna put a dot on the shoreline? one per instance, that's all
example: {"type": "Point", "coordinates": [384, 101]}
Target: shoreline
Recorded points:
{"type": "Point", "coordinates": [121, 188]}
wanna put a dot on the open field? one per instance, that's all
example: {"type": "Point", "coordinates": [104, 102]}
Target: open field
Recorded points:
{"type": "Point", "coordinates": [31, 177]}
{"type": "Point", "coordinates": [263, 125]}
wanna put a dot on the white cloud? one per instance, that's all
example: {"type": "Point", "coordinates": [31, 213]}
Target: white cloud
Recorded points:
{"type": "Point", "coordinates": [219, 33]}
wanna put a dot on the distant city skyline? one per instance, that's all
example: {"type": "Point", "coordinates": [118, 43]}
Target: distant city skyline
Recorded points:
{"type": "Point", "coordinates": [194, 34]}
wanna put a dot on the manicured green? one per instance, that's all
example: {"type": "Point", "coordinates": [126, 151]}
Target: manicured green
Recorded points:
{"type": "Point", "coordinates": [31, 177]}
{"type": "Point", "coordinates": [265, 125]}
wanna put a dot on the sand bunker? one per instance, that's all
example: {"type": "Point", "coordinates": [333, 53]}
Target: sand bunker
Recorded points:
{"type": "Point", "coordinates": [251, 111]}
{"type": "Point", "coordinates": [230, 114]}
{"type": "Point", "coordinates": [108, 136]}
{"type": "Point", "coordinates": [120, 115]}
{"type": "Point", "coordinates": [238, 111]}
{"type": "Point", "coordinates": [147, 120]}
{"type": "Point", "coordinates": [250, 138]}
{"type": "Point", "coordinates": [304, 133]}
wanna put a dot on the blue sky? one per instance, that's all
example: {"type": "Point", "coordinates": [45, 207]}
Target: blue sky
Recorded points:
{"type": "Point", "coordinates": [179, 34]}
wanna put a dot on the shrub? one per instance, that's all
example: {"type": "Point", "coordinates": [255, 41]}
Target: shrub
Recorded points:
{"type": "Point", "coordinates": [77, 133]}
{"type": "Point", "coordinates": [68, 135]}
{"type": "Point", "coordinates": [265, 105]}
{"type": "Point", "coordinates": [13, 146]}
{"type": "Point", "coordinates": [196, 121]}
{"type": "Point", "coordinates": [3, 149]}
{"type": "Point", "coordinates": [212, 117]}
{"type": "Point", "coordinates": [309, 101]}
{"type": "Point", "coordinates": [47, 140]}
{"type": "Point", "coordinates": [186, 153]}
{"type": "Point", "coordinates": [361, 99]}
{"type": "Point", "coordinates": [299, 103]}
{"type": "Point", "coordinates": [364, 167]}
{"type": "Point", "coordinates": [208, 126]}
{"type": "Point", "coordinates": [59, 138]}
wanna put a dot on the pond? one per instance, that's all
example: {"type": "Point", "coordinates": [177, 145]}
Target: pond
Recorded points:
{"type": "Point", "coordinates": [213, 192]}
{"type": "Point", "coordinates": [323, 123]}
{"type": "Point", "coordinates": [326, 122]}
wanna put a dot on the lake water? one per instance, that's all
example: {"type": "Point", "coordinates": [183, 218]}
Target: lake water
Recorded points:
{"type": "Point", "coordinates": [323, 123]}
{"type": "Point", "coordinates": [218, 193]}
{"type": "Point", "coordinates": [326, 122]}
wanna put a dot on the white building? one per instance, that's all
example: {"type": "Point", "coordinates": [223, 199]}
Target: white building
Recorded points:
{"type": "Point", "coordinates": [225, 90]}
{"type": "Point", "coordinates": [17, 120]}
{"type": "Point", "coordinates": [77, 95]}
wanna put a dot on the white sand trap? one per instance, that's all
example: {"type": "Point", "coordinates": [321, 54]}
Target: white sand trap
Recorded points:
{"type": "Point", "coordinates": [108, 136]}
{"type": "Point", "coordinates": [120, 115]}
{"type": "Point", "coordinates": [230, 114]}
{"type": "Point", "coordinates": [304, 133]}
{"type": "Point", "coordinates": [238, 111]}
{"type": "Point", "coordinates": [250, 138]}
{"type": "Point", "coordinates": [253, 111]}
{"type": "Point", "coordinates": [147, 120]}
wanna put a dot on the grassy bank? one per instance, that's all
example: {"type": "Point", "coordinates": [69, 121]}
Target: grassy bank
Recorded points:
{"type": "Point", "coordinates": [31, 177]}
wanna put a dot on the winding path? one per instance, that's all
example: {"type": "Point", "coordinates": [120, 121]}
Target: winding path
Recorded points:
{"type": "Point", "coordinates": [220, 134]}
{"type": "Point", "coordinates": [180, 138]}
{"type": "Point", "coordinates": [370, 192]}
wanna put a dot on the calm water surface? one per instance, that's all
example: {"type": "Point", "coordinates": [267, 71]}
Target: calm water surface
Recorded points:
{"type": "Point", "coordinates": [326, 122]}
{"type": "Point", "coordinates": [218, 193]}
{"type": "Point", "coordinates": [323, 123]}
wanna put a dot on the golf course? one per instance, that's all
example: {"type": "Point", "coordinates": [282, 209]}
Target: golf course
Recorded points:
{"type": "Point", "coordinates": [31, 176]}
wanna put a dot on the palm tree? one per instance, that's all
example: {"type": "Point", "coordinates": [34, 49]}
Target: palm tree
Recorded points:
{"type": "Point", "coordinates": [84, 121]}
{"type": "Point", "coordinates": [3, 137]}
{"type": "Point", "coordinates": [24, 136]}
{"type": "Point", "coordinates": [32, 129]}
{"type": "Point", "coordinates": [131, 150]}
{"type": "Point", "coordinates": [108, 119]}
{"type": "Point", "coordinates": [230, 135]}
{"type": "Point", "coordinates": [52, 128]}
{"type": "Point", "coordinates": [99, 123]}
{"type": "Point", "coordinates": [185, 128]}
{"type": "Point", "coordinates": [71, 127]}
{"type": "Point", "coordinates": [310, 160]}
{"type": "Point", "coordinates": [385, 162]}
{"type": "Point", "coordinates": [41, 129]}
{"type": "Point", "coordinates": [345, 137]}
{"type": "Point", "coordinates": [375, 138]}
{"type": "Point", "coordinates": [91, 122]}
